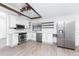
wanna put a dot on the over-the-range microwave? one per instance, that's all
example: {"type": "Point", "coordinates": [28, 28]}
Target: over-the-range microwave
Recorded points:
{"type": "Point", "coordinates": [18, 26]}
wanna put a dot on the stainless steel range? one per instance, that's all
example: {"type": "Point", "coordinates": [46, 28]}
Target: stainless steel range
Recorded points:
{"type": "Point", "coordinates": [21, 38]}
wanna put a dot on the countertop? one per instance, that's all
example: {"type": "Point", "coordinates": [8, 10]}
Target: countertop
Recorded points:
{"type": "Point", "coordinates": [13, 31]}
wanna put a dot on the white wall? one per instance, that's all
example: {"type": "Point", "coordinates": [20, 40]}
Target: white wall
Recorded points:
{"type": "Point", "coordinates": [2, 25]}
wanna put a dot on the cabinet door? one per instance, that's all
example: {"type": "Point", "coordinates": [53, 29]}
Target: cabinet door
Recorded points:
{"type": "Point", "coordinates": [44, 37]}
{"type": "Point", "coordinates": [9, 39]}
{"type": "Point", "coordinates": [31, 36]}
{"type": "Point", "coordinates": [12, 21]}
{"type": "Point", "coordinates": [49, 39]}
{"type": "Point", "coordinates": [15, 39]}
{"type": "Point", "coordinates": [27, 24]}
{"type": "Point", "coordinates": [28, 36]}
{"type": "Point", "coordinates": [34, 36]}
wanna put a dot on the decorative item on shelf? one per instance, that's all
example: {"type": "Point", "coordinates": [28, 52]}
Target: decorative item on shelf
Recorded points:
{"type": "Point", "coordinates": [46, 22]}
{"type": "Point", "coordinates": [25, 8]}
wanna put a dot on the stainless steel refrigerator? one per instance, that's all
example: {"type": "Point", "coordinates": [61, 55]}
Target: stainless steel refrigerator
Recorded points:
{"type": "Point", "coordinates": [66, 34]}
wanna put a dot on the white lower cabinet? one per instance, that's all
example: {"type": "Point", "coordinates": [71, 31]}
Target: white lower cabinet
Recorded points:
{"type": "Point", "coordinates": [12, 20]}
{"type": "Point", "coordinates": [47, 38]}
{"type": "Point", "coordinates": [12, 40]}
{"type": "Point", "coordinates": [44, 38]}
{"type": "Point", "coordinates": [31, 36]}
{"type": "Point", "coordinates": [15, 39]}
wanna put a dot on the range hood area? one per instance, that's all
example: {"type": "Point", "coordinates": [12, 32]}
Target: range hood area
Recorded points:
{"type": "Point", "coordinates": [18, 26]}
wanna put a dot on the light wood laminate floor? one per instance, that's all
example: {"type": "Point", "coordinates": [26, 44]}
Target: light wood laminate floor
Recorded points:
{"type": "Point", "coordinates": [31, 48]}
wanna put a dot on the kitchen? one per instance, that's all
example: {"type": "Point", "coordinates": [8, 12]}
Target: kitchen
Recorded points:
{"type": "Point", "coordinates": [19, 29]}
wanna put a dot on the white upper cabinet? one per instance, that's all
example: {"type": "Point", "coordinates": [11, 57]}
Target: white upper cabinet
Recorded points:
{"type": "Point", "coordinates": [31, 36]}
{"type": "Point", "coordinates": [22, 21]}
{"type": "Point", "coordinates": [12, 21]}
{"type": "Point", "coordinates": [27, 24]}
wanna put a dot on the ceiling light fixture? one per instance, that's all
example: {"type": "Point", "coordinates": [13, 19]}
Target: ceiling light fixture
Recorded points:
{"type": "Point", "coordinates": [25, 8]}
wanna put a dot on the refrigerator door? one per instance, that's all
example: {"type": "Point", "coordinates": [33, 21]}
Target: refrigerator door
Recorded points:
{"type": "Point", "coordinates": [70, 35]}
{"type": "Point", "coordinates": [60, 35]}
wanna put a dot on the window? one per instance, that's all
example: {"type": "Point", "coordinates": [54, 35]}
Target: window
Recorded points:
{"type": "Point", "coordinates": [36, 27]}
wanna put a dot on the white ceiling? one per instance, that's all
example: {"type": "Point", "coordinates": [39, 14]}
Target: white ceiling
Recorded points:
{"type": "Point", "coordinates": [49, 10]}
